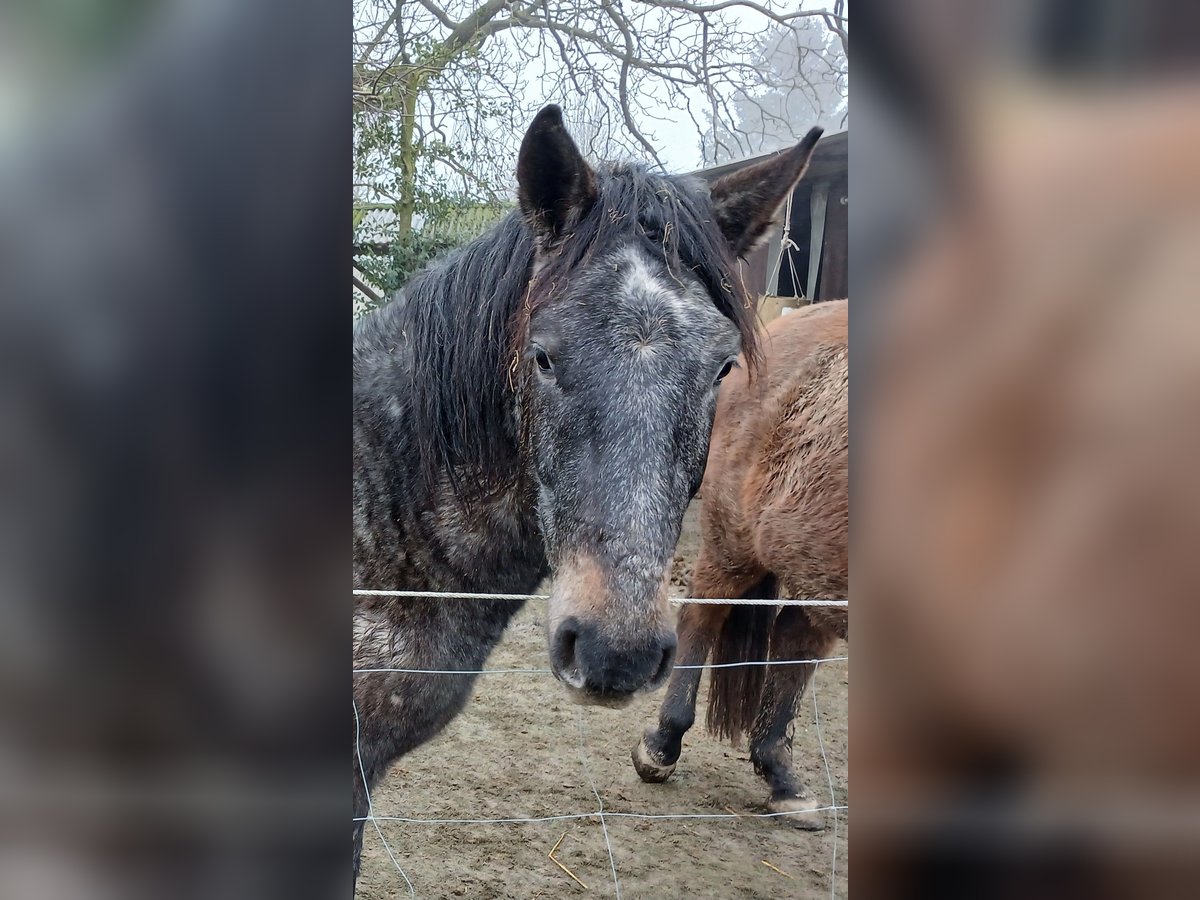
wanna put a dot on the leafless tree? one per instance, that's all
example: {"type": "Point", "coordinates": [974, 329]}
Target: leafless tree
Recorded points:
{"type": "Point", "coordinates": [804, 83]}
{"type": "Point", "coordinates": [449, 84]}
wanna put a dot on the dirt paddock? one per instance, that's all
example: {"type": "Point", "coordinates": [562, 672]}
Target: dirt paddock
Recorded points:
{"type": "Point", "coordinates": [517, 751]}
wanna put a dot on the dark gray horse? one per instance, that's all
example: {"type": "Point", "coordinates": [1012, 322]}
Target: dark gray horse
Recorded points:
{"type": "Point", "coordinates": [540, 403]}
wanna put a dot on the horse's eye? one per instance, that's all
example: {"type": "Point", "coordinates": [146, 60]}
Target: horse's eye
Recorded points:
{"type": "Point", "coordinates": [725, 370]}
{"type": "Point", "coordinates": [543, 360]}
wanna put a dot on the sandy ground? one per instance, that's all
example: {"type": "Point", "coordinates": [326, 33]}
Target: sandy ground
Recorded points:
{"type": "Point", "coordinates": [518, 751]}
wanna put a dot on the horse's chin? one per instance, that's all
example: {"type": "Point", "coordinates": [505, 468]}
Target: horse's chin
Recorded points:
{"type": "Point", "coordinates": [589, 698]}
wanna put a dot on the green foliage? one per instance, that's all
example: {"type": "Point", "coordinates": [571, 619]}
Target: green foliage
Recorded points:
{"type": "Point", "coordinates": [406, 257]}
{"type": "Point", "coordinates": [453, 225]}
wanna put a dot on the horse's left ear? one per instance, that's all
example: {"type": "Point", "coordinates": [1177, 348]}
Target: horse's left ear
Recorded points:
{"type": "Point", "coordinates": [556, 186]}
{"type": "Point", "coordinates": [747, 200]}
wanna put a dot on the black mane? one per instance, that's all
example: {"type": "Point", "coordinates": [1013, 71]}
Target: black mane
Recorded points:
{"type": "Point", "coordinates": [462, 318]}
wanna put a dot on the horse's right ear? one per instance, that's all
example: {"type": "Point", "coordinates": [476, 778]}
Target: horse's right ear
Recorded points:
{"type": "Point", "coordinates": [556, 186]}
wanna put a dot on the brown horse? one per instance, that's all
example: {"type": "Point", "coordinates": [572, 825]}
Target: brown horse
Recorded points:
{"type": "Point", "coordinates": [775, 523]}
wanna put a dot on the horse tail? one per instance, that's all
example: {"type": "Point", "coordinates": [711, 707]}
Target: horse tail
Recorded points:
{"type": "Point", "coordinates": [735, 694]}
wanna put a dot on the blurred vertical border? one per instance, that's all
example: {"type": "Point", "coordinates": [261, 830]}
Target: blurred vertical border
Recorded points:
{"type": "Point", "coordinates": [1025, 297]}
{"type": "Point", "coordinates": [174, 410]}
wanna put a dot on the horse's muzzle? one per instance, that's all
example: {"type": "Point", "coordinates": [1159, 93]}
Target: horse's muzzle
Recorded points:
{"type": "Point", "coordinates": [608, 673]}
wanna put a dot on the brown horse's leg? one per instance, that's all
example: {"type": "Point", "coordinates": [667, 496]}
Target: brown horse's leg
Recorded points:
{"type": "Point", "coordinates": [699, 627]}
{"type": "Point", "coordinates": [655, 756]}
{"type": "Point", "coordinates": [794, 637]}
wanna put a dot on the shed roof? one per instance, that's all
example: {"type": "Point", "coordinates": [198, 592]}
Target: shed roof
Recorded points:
{"type": "Point", "coordinates": [831, 157]}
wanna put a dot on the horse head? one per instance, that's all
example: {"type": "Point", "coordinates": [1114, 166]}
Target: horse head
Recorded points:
{"type": "Point", "coordinates": [635, 312]}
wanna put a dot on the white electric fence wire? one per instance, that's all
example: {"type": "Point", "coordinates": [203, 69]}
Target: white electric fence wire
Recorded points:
{"type": "Point", "coordinates": [829, 776]}
{"type": "Point", "coordinates": [565, 817]}
{"type": "Point", "coordinates": [370, 817]}
{"type": "Point", "coordinates": [732, 665]}
{"type": "Point", "coordinates": [706, 601]}
{"type": "Point", "coordinates": [612, 862]}
{"type": "Point", "coordinates": [601, 812]}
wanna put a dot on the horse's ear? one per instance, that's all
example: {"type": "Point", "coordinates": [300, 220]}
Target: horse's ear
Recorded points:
{"type": "Point", "coordinates": [556, 186]}
{"type": "Point", "coordinates": [747, 201]}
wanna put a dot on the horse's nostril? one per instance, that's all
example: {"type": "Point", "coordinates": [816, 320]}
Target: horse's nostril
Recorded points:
{"type": "Point", "coordinates": [665, 666]}
{"type": "Point", "coordinates": [562, 652]}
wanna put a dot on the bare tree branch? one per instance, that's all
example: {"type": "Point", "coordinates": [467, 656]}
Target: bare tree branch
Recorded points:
{"type": "Point", "coordinates": [443, 89]}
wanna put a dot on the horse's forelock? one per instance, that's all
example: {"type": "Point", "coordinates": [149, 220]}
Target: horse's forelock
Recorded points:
{"type": "Point", "coordinates": [673, 212]}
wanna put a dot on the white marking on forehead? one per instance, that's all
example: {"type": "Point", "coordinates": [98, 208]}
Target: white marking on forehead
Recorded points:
{"type": "Point", "coordinates": [676, 297]}
{"type": "Point", "coordinates": [638, 277]}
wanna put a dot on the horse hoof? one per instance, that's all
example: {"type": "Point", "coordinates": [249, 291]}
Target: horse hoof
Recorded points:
{"type": "Point", "coordinates": [802, 812]}
{"type": "Point", "coordinates": [647, 768]}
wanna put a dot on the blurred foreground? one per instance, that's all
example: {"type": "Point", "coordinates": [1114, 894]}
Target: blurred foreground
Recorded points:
{"type": "Point", "coordinates": [1027, 497]}
{"type": "Point", "coordinates": [173, 431]}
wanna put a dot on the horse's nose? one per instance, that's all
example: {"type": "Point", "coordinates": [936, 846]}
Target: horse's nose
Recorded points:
{"type": "Point", "coordinates": [586, 658]}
